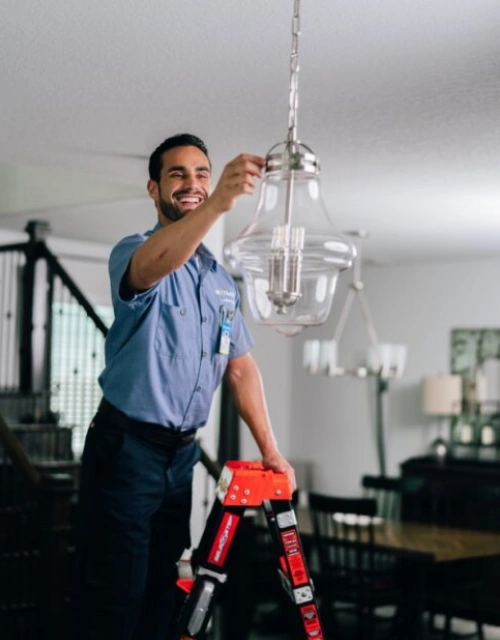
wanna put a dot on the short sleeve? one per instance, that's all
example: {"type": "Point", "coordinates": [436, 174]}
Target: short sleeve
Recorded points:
{"type": "Point", "coordinates": [119, 261]}
{"type": "Point", "coordinates": [242, 342]}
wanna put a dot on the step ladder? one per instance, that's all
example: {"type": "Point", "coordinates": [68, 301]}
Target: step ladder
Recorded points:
{"type": "Point", "coordinates": [244, 485]}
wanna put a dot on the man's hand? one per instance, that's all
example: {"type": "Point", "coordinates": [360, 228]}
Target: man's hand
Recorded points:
{"type": "Point", "coordinates": [236, 178]}
{"type": "Point", "coordinates": [277, 462]}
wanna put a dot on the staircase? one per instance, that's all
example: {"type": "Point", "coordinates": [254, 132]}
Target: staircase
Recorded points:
{"type": "Point", "coordinates": [51, 352]}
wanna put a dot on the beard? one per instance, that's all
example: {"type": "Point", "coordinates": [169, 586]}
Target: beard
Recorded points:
{"type": "Point", "coordinates": [171, 211]}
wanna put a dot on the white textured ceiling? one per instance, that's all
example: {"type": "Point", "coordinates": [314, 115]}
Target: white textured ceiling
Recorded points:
{"type": "Point", "coordinates": [399, 98]}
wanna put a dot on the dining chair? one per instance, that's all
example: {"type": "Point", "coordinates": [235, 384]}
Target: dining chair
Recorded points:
{"type": "Point", "coordinates": [386, 490]}
{"type": "Point", "coordinates": [451, 584]}
{"type": "Point", "coordinates": [354, 576]}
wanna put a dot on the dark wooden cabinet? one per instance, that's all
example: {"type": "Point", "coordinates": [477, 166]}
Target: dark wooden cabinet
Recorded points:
{"type": "Point", "coordinates": [461, 471]}
{"type": "Point", "coordinates": [471, 491]}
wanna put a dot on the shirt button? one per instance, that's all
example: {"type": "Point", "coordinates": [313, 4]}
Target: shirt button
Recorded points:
{"type": "Point", "coordinates": [198, 388]}
{"type": "Point", "coordinates": [183, 312]}
{"type": "Point", "coordinates": [204, 319]}
{"type": "Point", "coordinates": [204, 354]}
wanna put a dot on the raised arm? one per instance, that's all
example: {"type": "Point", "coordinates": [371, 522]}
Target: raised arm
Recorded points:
{"type": "Point", "coordinates": [185, 188]}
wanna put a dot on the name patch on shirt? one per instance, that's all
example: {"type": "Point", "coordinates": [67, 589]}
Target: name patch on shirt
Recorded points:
{"type": "Point", "coordinates": [226, 295]}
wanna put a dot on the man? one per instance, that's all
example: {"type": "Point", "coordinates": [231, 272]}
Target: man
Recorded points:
{"type": "Point", "coordinates": [178, 329]}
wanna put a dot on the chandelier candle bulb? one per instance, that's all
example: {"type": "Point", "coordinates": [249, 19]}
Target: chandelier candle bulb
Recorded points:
{"type": "Point", "coordinates": [311, 355]}
{"type": "Point", "coordinates": [328, 357]}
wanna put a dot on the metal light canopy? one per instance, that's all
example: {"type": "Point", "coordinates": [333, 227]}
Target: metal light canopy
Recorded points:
{"type": "Point", "coordinates": [290, 254]}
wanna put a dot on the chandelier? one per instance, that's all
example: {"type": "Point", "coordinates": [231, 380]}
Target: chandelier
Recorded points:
{"type": "Point", "coordinates": [382, 359]}
{"type": "Point", "coordinates": [290, 255]}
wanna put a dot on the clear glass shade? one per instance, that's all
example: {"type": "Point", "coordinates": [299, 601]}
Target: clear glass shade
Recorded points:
{"type": "Point", "coordinates": [290, 254]}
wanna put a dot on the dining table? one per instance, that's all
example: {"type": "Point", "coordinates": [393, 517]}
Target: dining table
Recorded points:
{"type": "Point", "coordinates": [434, 542]}
{"type": "Point", "coordinates": [416, 545]}
{"type": "Point", "coordinates": [419, 545]}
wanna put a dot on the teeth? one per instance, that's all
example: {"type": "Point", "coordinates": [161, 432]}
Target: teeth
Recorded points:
{"type": "Point", "coordinates": [189, 200]}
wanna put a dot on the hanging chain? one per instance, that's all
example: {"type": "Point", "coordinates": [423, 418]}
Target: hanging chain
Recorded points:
{"type": "Point", "coordinates": [294, 75]}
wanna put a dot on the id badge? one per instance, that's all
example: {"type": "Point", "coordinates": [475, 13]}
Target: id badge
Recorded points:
{"type": "Point", "coordinates": [226, 331]}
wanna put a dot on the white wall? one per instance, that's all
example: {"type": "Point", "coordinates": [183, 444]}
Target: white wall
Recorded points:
{"type": "Point", "coordinates": [273, 354]}
{"type": "Point", "coordinates": [332, 419]}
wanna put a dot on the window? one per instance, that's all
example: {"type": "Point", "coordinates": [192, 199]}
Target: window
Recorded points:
{"type": "Point", "coordinates": [77, 359]}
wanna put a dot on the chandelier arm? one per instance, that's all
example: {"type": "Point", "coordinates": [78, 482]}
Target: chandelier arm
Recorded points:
{"type": "Point", "coordinates": [339, 329]}
{"type": "Point", "coordinates": [356, 275]}
{"type": "Point", "coordinates": [370, 327]}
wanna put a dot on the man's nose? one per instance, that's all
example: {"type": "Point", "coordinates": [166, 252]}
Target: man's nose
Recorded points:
{"type": "Point", "coordinates": [190, 181]}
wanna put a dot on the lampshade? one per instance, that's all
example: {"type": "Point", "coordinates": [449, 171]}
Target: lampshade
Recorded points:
{"type": "Point", "coordinates": [442, 395]}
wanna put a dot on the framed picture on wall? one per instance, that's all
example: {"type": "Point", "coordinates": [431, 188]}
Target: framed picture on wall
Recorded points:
{"type": "Point", "coordinates": [475, 355]}
{"type": "Point", "coordinates": [472, 347]}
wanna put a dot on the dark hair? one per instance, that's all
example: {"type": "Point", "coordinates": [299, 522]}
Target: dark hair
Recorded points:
{"type": "Point", "coordinates": [179, 140]}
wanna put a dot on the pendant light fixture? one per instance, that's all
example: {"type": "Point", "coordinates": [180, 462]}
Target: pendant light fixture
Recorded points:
{"type": "Point", "coordinates": [290, 254]}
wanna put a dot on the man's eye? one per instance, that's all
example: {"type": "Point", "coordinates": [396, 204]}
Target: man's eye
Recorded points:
{"type": "Point", "coordinates": [177, 175]}
{"type": "Point", "coordinates": [203, 176]}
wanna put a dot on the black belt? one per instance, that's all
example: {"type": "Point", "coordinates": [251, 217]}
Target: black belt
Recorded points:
{"type": "Point", "coordinates": [153, 433]}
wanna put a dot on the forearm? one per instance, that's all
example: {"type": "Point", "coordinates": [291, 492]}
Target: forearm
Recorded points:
{"type": "Point", "coordinates": [245, 384]}
{"type": "Point", "coordinates": [248, 395]}
{"type": "Point", "coordinates": [170, 247]}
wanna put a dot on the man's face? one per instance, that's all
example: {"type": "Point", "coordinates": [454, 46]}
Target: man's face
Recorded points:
{"type": "Point", "coordinates": [184, 182]}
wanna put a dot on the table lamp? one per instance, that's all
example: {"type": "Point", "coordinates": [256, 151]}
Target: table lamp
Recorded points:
{"type": "Point", "coordinates": [441, 397]}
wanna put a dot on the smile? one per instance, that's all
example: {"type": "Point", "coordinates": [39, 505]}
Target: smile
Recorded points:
{"type": "Point", "coordinates": [189, 200]}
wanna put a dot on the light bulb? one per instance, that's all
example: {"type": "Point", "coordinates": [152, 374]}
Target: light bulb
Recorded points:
{"type": "Point", "coordinates": [290, 254]}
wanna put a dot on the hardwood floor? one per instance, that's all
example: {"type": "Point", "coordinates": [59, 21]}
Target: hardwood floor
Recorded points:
{"type": "Point", "coordinates": [459, 627]}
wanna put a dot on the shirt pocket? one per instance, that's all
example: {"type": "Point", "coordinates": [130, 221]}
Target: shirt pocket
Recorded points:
{"type": "Point", "coordinates": [172, 331]}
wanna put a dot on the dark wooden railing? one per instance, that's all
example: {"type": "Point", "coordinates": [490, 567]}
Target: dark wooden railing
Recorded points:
{"type": "Point", "coordinates": [51, 340]}
{"type": "Point", "coordinates": [45, 405]}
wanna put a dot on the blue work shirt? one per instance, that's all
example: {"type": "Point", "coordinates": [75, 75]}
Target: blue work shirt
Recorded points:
{"type": "Point", "coordinates": [163, 360]}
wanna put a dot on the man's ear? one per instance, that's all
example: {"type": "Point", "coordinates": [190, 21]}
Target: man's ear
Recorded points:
{"type": "Point", "coordinates": [153, 190]}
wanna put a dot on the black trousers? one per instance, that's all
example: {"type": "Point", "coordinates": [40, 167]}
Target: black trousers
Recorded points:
{"type": "Point", "coordinates": [134, 511]}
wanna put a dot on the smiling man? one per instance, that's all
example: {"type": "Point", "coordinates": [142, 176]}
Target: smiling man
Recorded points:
{"type": "Point", "coordinates": [178, 330]}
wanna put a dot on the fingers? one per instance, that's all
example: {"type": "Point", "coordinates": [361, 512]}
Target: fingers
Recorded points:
{"type": "Point", "coordinates": [282, 465]}
{"type": "Point", "coordinates": [249, 162]}
{"type": "Point", "coordinates": [243, 169]}
{"type": "Point", "coordinates": [238, 177]}
{"type": "Point", "coordinates": [290, 473]}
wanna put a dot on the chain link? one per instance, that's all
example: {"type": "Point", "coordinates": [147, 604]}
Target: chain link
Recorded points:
{"type": "Point", "coordinates": [294, 75]}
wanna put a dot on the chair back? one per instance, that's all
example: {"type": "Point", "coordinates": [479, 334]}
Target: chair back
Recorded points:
{"type": "Point", "coordinates": [386, 490]}
{"type": "Point", "coordinates": [416, 502]}
{"type": "Point", "coordinates": [448, 504]}
{"type": "Point", "coordinates": [344, 538]}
